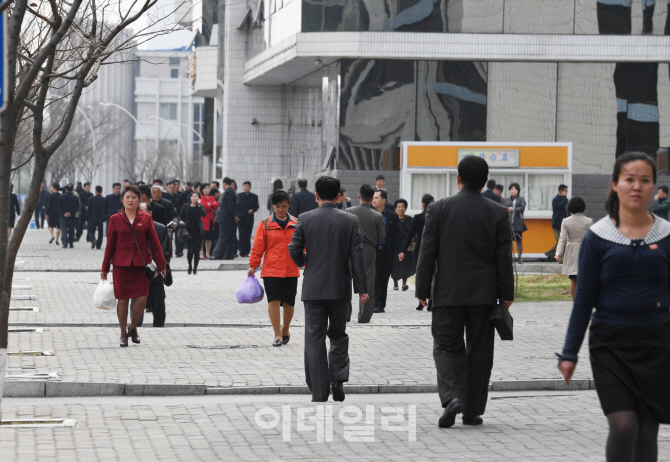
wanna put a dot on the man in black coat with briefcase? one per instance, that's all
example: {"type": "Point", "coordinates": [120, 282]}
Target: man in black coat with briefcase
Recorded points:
{"type": "Point", "coordinates": [469, 239]}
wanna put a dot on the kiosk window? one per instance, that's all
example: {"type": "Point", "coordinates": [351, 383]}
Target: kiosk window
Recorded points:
{"type": "Point", "coordinates": [508, 179]}
{"type": "Point", "coordinates": [542, 189]}
{"type": "Point", "coordinates": [427, 183]}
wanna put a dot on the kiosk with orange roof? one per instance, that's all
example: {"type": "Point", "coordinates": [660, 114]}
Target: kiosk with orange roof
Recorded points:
{"type": "Point", "coordinates": [539, 168]}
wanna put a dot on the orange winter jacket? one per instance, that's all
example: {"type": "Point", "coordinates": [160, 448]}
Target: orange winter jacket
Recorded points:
{"type": "Point", "coordinates": [271, 244]}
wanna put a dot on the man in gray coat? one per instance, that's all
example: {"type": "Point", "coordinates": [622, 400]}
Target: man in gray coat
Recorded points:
{"type": "Point", "coordinates": [332, 243]}
{"type": "Point", "coordinates": [469, 239]}
{"type": "Point", "coordinates": [371, 227]}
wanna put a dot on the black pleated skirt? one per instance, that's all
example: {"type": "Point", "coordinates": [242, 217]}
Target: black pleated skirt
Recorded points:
{"type": "Point", "coordinates": [631, 369]}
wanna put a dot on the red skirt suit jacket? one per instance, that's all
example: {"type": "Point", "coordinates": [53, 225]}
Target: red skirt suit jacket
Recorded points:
{"type": "Point", "coordinates": [210, 204]}
{"type": "Point", "coordinates": [121, 251]}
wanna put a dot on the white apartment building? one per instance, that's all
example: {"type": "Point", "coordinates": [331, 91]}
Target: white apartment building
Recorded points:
{"type": "Point", "coordinates": [335, 86]}
{"type": "Point", "coordinates": [170, 120]}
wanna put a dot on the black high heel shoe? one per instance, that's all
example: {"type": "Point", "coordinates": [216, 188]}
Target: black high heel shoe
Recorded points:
{"type": "Point", "coordinates": [276, 343]}
{"type": "Point", "coordinates": [189, 270]}
{"type": "Point", "coordinates": [285, 339]}
{"type": "Point", "coordinates": [133, 334]}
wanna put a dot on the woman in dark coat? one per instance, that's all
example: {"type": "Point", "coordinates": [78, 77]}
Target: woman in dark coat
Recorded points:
{"type": "Point", "coordinates": [516, 205]}
{"type": "Point", "coordinates": [14, 210]}
{"type": "Point", "coordinates": [129, 234]}
{"type": "Point", "coordinates": [53, 211]}
{"type": "Point", "coordinates": [624, 269]}
{"type": "Point", "coordinates": [191, 215]}
{"type": "Point", "coordinates": [414, 234]}
{"type": "Point", "coordinates": [405, 268]}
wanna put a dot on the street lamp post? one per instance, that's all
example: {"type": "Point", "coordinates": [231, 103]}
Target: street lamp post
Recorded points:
{"type": "Point", "coordinates": [181, 140]}
{"type": "Point", "coordinates": [137, 122]}
{"type": "Point", "coordinates": [90, 125]}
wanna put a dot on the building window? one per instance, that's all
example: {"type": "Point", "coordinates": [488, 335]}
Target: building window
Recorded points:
{"type": "Point", "coordinates": [174, 62]}
{"type": "Point", "coordinates": [174, 73]}
{"type": "Point", "coordinates": [198, 126]}
{"type": "Point", "coordinates": [168, 111]}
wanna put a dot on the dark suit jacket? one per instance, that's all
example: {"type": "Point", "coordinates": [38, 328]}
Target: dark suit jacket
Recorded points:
{"type": "Point", "coordinates": [95, 209]}
{"type": "Point", "coordinates": [183, 214]}
{"type": "Point", "coordinates": [559, 206]}
{"type": "Point", "coordinates": [68, 202]}
{"type": "Point", "coordinates": [169, 208]}
{"type": "Point", "coordinates": [303, 201]}
{"type": "Point", "coordinates": [158, 213]}
{"type": "Point", "coordinates": [415, 229]}
{"type": "Point", "coordinates": [490, 194]}
{"type": "Point", "coordinates": [52, 209]}
{"type": "Point", "coordinates": [83, 198]}
{"type": "Point", "coordinates": [228, 207]}
{"type": "Point", "coordinates": [469, 238]}
{"type": "Point", "coordinates": [332, 243]}
{"type": "Point", "coordinates": [246, 202]}
{"type": "Point", "coordinates": [393, 236]}
{"type": "Point", "coordinates": [370, 224]}
{"type": "Point", "coordinates": [113, 205]}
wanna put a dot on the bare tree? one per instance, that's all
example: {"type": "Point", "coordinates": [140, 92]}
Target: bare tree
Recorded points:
{"type": "Point", "coordinates": [82, 153]}
{"type": "Point", "coordinates": [54, 51]}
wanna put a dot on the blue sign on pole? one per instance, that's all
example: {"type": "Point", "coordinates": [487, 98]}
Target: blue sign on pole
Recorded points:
{"type": "Point", "coordinates": [3, 61]}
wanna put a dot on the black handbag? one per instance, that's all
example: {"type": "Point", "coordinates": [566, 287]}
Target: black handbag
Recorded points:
{"type": "Point", "coordinates": [168, 275]}
{"type": "Point", "coordinates": [150, 272]}
{"type": "Point", "coordinates": [503, 321]}
{"type": "Point", "coordinates": [183, 235]}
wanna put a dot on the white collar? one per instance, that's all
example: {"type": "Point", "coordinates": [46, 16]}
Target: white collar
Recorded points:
{"type": "Point", "coordinates": [605, 229]}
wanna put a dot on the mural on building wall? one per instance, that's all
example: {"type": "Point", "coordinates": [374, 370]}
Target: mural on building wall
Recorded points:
{"type": "Point", "coordinates": [636, 84]}
{"type": "Point", "coordinates": [384, 102]}
{"type": "Point", "coordinates": [374, 15]}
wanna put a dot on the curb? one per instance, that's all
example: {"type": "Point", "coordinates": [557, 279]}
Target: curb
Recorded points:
{"type": "Point", "coordinates": [36, 389]}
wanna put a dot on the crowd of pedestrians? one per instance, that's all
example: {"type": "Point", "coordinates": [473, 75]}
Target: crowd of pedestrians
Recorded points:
{"type": "Point", "coordinates": [72, 211]}
{"type": "Point", "coordinates": [619, 267]}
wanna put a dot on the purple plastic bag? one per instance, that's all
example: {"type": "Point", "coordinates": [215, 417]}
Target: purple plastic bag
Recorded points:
{"type": "Point", "coordinates": [251, 291]}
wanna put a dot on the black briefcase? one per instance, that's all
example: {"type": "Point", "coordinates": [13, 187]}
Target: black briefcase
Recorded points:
{"type": "Point", "coordinates": [503, 321]}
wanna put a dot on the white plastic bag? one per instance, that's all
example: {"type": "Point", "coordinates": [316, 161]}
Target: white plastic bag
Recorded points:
{"type": "Point", "coordinates": [103, 297]}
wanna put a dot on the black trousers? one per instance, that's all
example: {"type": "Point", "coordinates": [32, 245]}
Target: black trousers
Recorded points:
{"type": "Point", "coordinates": [325, 317]}
{"type": "Point", "coordinates": [382, 274]}
{"type": "Point", "coordinates": [81, 225]}
{"type": "Point", "coordinates": [463, 368]}
{"type": "Point", "coordinates": [68, 227]}
{"type": "Point", "coordinates": [226, 247]}
{"type": "Point", "coordinates": [156, 301]}
{"type": "Point", "coordinates": [245, 226]}
{"type": "Point", "coordinates": [229, 238]}
{"type": "Point", "coordinates": [40, 214]}
{"type": "Point", "coordinates": [92, 226]}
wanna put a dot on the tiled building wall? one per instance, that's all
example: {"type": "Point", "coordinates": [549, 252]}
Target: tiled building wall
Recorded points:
{"type": "Point", "coordinates": [285, 138]}
{"type": "Point", "coordinates": [593, 189]}
{"type": "Point", "coordinates": [521, 103]}
{"type": "Point", "coordinates": [351, 180]}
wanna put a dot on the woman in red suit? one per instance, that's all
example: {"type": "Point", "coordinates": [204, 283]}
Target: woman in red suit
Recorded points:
{"type": "Point", "coordinates": [130, 281]}
{"type": "Point", "coordinates": [210, 205]}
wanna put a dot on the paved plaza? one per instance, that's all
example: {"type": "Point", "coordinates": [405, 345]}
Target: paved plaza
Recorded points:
{"type": "Point", "coordinates": [212, 345]}
{"type": "Point", "coordinates": [204, 320]}
{"type": "Point", "coordinates": [518, 427]}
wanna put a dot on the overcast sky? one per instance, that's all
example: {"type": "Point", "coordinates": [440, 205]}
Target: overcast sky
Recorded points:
{"type": "Point", "coordinates": [172, 40]}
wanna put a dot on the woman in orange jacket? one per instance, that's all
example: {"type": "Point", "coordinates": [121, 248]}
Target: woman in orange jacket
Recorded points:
{"type": "Point", "coordinates": [280, 274]}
